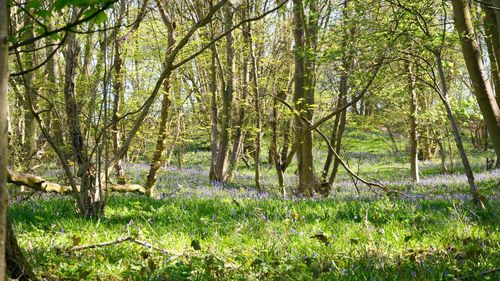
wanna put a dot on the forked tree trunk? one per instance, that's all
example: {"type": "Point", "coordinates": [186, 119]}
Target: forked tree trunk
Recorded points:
{"type": "Point", "coordinates": [89, 199]}
{"type": "Point", "coordinates": [473, 60]}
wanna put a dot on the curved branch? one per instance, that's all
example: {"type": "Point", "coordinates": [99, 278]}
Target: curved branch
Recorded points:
{"type": "Point", "coordinates": [64, 28]}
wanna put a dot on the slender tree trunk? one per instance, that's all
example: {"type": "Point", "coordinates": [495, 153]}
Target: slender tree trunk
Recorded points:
{"type": "Point", "coordinates": [4, 107]}
{"type": "Point", "coordinates": [53, 123]}
{"type": "Point", "coordinates": [456, 133]}
{"type": "Point", "coordinates": [255, 89]}
{"type": "Point", "coordinates": [164, 115]}
{"type": "Point", "coordinates": [336, 138]}
{"type": "Point", "coordinates": [413, 123]}
{"type": "Point", "coordinates": [161, 139]}
{"type": "Point", "coordinates": [393, 139]}
{"type": "Point", "coordinates": [117, 100]}
{"type": "Point", "coordinates": [277, 157]}
{"type": "Point", "coordinates": [442, 154]}
{"type": "Point", "coordinates": [482, 88]}
{"type": "Point", "coordinates": [215, 114]}
{"type": "Point", "coordinates": [30, 133]}
{"type": "Point", "coordinates": [338, 145]}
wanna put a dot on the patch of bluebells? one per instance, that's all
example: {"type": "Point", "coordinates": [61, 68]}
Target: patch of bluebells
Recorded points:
{"type": "Point", "coordinates": [194, 182]}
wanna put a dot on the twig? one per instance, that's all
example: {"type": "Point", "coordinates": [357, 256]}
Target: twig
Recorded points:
{"type": "Point", "coordinates": [474, 276]}
{"type": "Point", "coordinates": [92, 246]}
{"type": "Point", "coordinates": [119, 241]}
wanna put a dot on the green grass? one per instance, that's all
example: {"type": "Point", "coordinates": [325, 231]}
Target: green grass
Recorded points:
{"type": "Point", "coordinates": [255, 239]}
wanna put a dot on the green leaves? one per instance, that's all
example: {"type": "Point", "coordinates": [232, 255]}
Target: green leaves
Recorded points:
{"type": "Point", "coordinates": [98, 19]}
{"type": "Point", "coordinates": [35, 4]}
{"type": "Point", "coordinates": [60, 4]}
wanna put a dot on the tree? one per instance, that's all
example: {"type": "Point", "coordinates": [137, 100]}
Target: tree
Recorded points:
{"type": "Point", "coordinates": [473, 60]}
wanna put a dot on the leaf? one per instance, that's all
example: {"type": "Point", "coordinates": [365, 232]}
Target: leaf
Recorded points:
{"type": "Point", "coordinates": [35, 4]}
{"type": "Point", "coordinates": [43, 13]}
{"type": "Point", "coordinates": [75, 240]}
{"type": "Point", "coordinates": [321, 237]}
{"type": "Point", "coordinates": [60, 4]}
{"type": "Point", "coordinates": [196, 245]}
{"type": "Point", "coordinates": [100, 18]}
{"type": "Point", "coordinates": [407, 238]}
{"type": "Point", "coordinates": [354, 240]}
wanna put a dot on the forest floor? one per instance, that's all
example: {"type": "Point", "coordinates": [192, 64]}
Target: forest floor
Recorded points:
{"type": "Point", "coordinates": [434, 234]}
{"type": "Point", "coordinates": [194, 230]}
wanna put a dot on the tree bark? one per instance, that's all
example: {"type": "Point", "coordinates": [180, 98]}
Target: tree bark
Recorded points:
{"type": "Point", "coordinates": [482, 88]}
{"type": "Point", "coordinates": [4, 107]}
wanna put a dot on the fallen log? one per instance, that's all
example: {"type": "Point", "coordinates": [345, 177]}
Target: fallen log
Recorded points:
{"type": "Point", "coordinates": [40, 184]}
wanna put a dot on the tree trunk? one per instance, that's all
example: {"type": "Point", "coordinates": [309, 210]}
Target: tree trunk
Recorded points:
{"type": "Point", "coordinates": [338, 145]}
{"type": "Point", "coordinates": [18, 266]}
{"type": "Point", "coordinates": [493, 44]}
{"type": "Point", "coordinates": [336, 138]}
{"type": "Point", "coordinates": [30, 134]}
{"type": "Point", "coordinates": [4, 108]}
{"type": "Point", "coordinates": [255, 89]}
{"type": "Point", "coordinates": [164, 115]}
{"type": "Point", "coordinates": [221, 166]}
{"type": "Point", "coordinates": [442, 155]}
{"type": "Point", "coordinates": [89, 200]}
{"type": "Point", "coordinates": [413, 123]}
{"type": "Point", "coordinates": [117, 100]}
{"type": "Point", "coordinates": [215, 114]}
{"type": "Point", "coordinates": [456, 133]}
{"type": "Point", "coordinates": [496, 5]}
{"type": "Point", "coordinates": [303, 99]}
{"type": "Point", "coordinates": [53, 123]}
{"type": "Point", "coordinates": [482, 88]}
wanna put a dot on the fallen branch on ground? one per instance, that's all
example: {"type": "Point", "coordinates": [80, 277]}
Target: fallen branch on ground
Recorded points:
{"type": "Point", "coordinates": [119, 241]}
{"type": "Point", "coordinates": [40, 184]}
